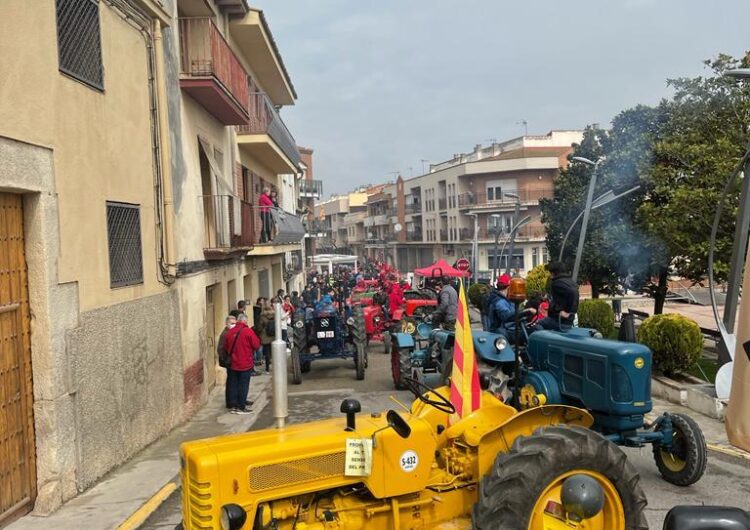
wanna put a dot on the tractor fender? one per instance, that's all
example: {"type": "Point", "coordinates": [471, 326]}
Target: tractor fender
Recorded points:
{"type": "Point", "coordinates": [501, 438]}
{"type": "Point", "coordinates": [397, 315]}
{"type": "Point", "coordinates": [404, 340]}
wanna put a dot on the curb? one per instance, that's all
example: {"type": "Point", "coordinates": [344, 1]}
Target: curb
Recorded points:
{"type": "Point", "coordinates": [140, 516]}
{"type": "Point", "coordinates": [729, 451]}
{"type": "Point", "coordinates": [147, 509]}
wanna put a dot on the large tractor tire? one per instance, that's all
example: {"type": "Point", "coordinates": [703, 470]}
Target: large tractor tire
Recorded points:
{"type": "Point", "coordinates": [359, 339]}
{"type": "Point", "coordinates": [306, 366]}
{"type": "Point", "coordinates": [516, 491]}
{"type": "Point", "coordinates": [400, 365]}
{"type": "Point", "coordinates": [685, 463]}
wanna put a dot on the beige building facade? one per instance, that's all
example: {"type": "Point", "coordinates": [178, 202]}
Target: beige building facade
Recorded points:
{"type": "Point", "coordinates": [135, 139]}
{"type": "Point", "coordinates": [413, 222]}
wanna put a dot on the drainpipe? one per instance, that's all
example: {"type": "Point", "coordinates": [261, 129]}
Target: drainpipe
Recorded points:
{"type": "Point", "coordinates": [165, 152]}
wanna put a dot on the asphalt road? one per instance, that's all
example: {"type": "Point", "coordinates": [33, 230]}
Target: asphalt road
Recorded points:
{"type": "Point", "coordinates": [727, 481]}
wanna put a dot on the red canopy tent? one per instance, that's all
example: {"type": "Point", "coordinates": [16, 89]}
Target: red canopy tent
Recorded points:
{"type": "Point", "coordinates": [441, 268]}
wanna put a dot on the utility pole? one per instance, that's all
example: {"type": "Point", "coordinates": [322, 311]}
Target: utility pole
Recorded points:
{"type": "Point", "coordinates": [586, 214]}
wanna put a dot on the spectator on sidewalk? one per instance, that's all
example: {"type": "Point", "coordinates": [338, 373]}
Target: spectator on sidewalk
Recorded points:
{"type": "Point", "coordinates": [241, 306]}
{"type": "Point", "coordinates": [242, 342]}
{"type": "Point", "coordinates": [267, 332]}
{"type": "Point", "coordinates": [287, 311]}
{"type": "Point", "coordinates": [223, 353]}
{"type": "Point", "coordinates": [257, 310]}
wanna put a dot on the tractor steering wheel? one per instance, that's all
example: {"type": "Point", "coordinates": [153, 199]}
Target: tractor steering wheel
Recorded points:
{"type": "Point", "coordinates": [420, 391]}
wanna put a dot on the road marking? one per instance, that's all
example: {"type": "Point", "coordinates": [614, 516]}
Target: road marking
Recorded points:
{"type": "Point", "coordinates": [729, 451]}
{"type": "Point", "coordinates": [322, 392]}
{"type": "Point", "coordinates": [150, 506]}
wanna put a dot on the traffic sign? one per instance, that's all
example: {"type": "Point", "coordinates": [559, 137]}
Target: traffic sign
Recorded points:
{"type": "Point", "coordinates": [463, 264]}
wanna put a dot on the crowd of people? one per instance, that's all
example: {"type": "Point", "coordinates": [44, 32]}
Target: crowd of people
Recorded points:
{"type": "Point", "coordinates": [244, 349]}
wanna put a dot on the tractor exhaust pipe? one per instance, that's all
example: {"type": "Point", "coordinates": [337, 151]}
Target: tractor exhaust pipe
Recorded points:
{"type": "Point", "coordinates": [278, 355]}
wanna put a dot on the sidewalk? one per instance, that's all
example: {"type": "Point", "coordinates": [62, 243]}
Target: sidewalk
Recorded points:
{"type": "Point", "coordinates": [150, 477]}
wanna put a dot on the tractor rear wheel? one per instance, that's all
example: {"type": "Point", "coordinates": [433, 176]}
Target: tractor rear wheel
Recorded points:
{"type": "Point", "coordinates": [306, 366]}
{"type": "Point", "coordinates": [685, 463]}
{"type": "Point", "coordinates": [359, 339]}
{"type": "Point", "coordinates": [400, 365]}
{"type": "Point", "coordinates": [524, 482]}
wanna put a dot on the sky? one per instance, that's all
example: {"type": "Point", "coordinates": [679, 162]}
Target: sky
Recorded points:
{"type": "Point", "coordinates": [384, 85]}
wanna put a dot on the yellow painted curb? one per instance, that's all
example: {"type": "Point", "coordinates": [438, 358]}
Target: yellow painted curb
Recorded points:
{"type": "Point", "coordinates": [729, 451]}
{"type": "Point", "coordinates": [150, 506]}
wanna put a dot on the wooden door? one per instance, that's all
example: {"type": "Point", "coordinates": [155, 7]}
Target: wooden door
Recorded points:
{"type": "Point", "coordinates": [17, 456]}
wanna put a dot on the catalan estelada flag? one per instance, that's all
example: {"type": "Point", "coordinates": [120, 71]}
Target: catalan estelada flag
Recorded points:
{"type": "Point", "coordinates": [465, 390]}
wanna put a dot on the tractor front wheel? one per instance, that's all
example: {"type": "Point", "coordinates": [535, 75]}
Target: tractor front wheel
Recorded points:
{"type": "Point", "coordinates": [296, 366]}
{"type": "Point", "coordinates": [306, 366]}
{"type": "Point", "coordinates": [523, 490]}
{"type": "Point", "coordinates": [400, 365]}
{"type": "Point", "coordinates": [685, 462]}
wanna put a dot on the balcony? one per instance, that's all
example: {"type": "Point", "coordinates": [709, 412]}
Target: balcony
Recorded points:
{"type": "Point", "coordinates": [266, 138]}
{"type": "Point", "coordinates": [255, 42]}
{"type": "Point", "coordinates": [311, 188]}
{"type": "Point", "coordinates": [414, 235]}
{"type": "Point", "coordinates": [211, 73]}
{"type": "Point", "coordinates": [228, 229]}
{"type": "Point", "coordinates": [526, 233]}
{"type": "Point", "coordinates": [318, 228]}
{"type": "Point", "coordinates": [471, 200]}
{"type": "Point", "coordinates": [413, 208]}
{"type": "Point", "coordinates": [294, 265]}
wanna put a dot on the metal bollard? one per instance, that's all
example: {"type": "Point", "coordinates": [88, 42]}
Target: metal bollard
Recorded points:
{"type": "Point", "coordinates": [278, 354]}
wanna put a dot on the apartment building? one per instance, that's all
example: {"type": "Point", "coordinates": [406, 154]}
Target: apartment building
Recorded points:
{"type": "Point", "coordinates": [135, 138]}
{"type": "Point", "coordinates": [310, 190]}
{"type": "Point", "coordinates": [339, 225]}
{"type": "Point", "coordinates": [415, 221]}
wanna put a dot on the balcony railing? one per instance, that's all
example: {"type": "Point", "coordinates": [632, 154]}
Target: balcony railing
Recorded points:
{"type": "Point", "coordinates": [205, 55]}
{"type": "Point", "coordinates": [413, 208]}
{"type": "Point", "coordinates": [265, 120]}
{"type": "Point", "coordinates": [532, 232]}
{"type": "Point", "coordinates": [311, 188]}
{"type": "Point", "coordinates": [483, 199]}
{"type": "Point", "coordinates": [227, 224]}
{"type": "Point", "coordinates": [414, 235]}
{"type": "Point", "coordinates": [294, 264]}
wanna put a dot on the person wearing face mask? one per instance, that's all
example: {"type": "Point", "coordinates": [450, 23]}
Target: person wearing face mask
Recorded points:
{"type": "Point", "coordinates": [222, 351]}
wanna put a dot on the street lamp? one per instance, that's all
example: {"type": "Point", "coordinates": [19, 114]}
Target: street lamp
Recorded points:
{"type": "Point", "coordinates": [605, 198]}
{"type": "Point", "coordinates": [514, 229]}
{"type": "Point", "coordinates": [586, 211]}
{"type": "Point", "coordinates": [516, 213]}
{"type": "Point", "coordinates": [496, 217]}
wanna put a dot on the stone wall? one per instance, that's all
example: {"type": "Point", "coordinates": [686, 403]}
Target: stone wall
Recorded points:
{"type": "Point", "coordinates": [126, 362]}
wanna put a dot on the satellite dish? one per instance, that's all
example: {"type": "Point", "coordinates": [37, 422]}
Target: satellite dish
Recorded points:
{"type": "Point", "coordinates": [397, 227]}
{"type": "Point", "coordinates": [724, 380]}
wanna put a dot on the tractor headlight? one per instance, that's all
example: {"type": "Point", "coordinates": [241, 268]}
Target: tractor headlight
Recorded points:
{"type": "Point", "coordinates": [350, 321]}
{"type": "Point", "coordinates": [501, 343]}
{"type": "Point", "coordinates": [299, 324]}
{"type": "Point", "coordinates": [233, 517]}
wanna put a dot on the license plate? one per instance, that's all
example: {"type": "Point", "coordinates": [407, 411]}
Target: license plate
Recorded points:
{"type": "Point", "coordinates": [325, 334]}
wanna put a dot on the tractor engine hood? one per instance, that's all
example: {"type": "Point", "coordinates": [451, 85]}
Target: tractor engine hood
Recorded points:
{"type": "Point", "coordinates": [260, 466]}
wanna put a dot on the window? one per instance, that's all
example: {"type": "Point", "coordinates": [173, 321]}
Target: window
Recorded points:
{"type": "Point", "coordinates": [534, 257]}
{"type": "Point", "coordinates": [124, 237]}
{"type": "Point", "coordinates": [79, 47]}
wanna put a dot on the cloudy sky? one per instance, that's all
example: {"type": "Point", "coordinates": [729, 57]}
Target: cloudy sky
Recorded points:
{"type": "Point", "coordinates": [384, 84]}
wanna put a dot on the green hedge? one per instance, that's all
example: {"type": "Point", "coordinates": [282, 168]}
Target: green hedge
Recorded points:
{"type": "Point", "coordinates": [536, 281]}
{"type": "Point", "coordinates": [476, 291]}
{"type": "Point", "coordinates": [596, 314]}
{"type": "Point", "coordinates": [676, 342]}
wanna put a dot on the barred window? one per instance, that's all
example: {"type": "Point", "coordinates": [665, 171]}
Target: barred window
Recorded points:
{"type": "Point", "coordinates": [79, 46]}
{"type": "Point", "coordinates": [124, 235]}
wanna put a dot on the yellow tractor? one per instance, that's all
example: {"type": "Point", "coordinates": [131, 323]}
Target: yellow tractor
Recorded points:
{"type": "Point", "coordinates": [497, 468]}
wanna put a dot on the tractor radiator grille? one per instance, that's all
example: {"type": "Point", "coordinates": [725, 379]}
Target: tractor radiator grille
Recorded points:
{"type": "Point", "coordinates": [199, 505]}
{"type": "Point", "coordinates": [296, 471]}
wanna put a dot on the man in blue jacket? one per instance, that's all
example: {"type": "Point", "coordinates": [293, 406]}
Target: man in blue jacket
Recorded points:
{"type": "Point", "coordinates": [501, 311]}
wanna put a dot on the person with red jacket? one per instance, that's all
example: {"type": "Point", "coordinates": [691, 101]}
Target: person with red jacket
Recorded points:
{"type": "Point", "coordinates": [241, 342]}
{"type": "Point", "coordinates": [265, 203]}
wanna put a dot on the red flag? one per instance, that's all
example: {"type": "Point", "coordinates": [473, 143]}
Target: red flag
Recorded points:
{"type": "Point", "coordinates": [465, 390]}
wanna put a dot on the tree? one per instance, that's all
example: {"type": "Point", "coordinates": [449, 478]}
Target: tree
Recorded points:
{"type": "Point", "coordinates": [598, 264]}
{"type": "Point", "coordinates": [699, 145]}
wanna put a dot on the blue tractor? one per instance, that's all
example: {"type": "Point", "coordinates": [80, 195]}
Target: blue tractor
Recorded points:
{"type": "Point", "coordinates": [328, 334]}
{"type": "Point", "coordinates": [610, 379]}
